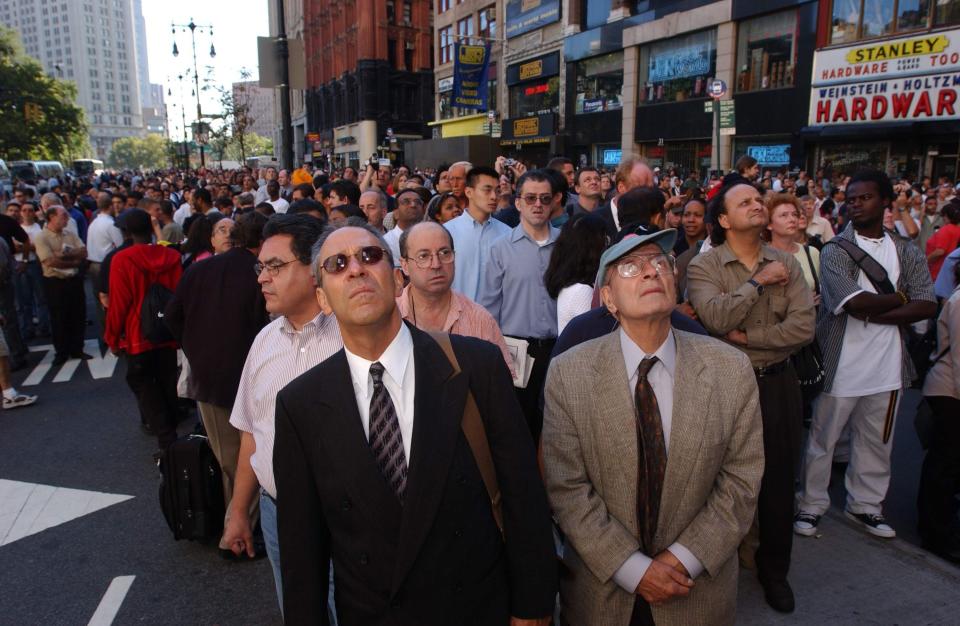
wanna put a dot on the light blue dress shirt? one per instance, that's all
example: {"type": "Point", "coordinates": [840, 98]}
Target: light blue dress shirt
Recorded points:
{"type": "Point", "coordinates": [661, 378]}
{"type": "Point", "coordinates": [945, 283]}
{"type": "Point", "coordinates": [471, 243]}
{"type": "Point", "coordinates": [512, 287]}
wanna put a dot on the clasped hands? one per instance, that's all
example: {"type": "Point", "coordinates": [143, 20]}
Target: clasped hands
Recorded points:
{"type": "Point", "coordinates": [666, 578]}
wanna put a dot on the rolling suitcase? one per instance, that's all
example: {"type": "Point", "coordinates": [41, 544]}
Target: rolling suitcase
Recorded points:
{"type": "Point", "coordinates": [191, 489]}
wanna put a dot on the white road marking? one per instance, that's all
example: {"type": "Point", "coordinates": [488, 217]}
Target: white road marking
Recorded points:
{"type": "Point", "coordinates": [100, 366]}
{"type": "Point", "coordinates": [29, 508]}
{"type": "Point", "coordinates": [110, 603]}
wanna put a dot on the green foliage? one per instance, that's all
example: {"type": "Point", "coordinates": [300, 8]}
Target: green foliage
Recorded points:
{"type": "Point", "coordinates": [146, 153]}
{"type": "Point", "coordinates": [254, 145]}
{"type": "Point", "coordinates": [38, 117]}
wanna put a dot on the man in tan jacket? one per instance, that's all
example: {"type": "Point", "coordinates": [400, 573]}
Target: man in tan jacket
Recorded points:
{"type": "Point", "coordinates": [652, 454]}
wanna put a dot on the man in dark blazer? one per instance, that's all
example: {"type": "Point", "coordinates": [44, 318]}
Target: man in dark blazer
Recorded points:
{"type": "Point", "coordinates": [383, 480]}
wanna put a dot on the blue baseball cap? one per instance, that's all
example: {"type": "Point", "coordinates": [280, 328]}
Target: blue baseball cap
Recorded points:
{"type": "Point", "coordinates": [663, 238]}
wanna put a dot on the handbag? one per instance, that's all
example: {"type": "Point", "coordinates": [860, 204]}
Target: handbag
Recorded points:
{"type": "Point", "coordinates": [808, 360]}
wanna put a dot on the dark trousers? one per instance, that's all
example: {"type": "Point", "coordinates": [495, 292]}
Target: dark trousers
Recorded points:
{"type": "Point", "coordinates": [529, 397]}
{"type": "Point", "coordinates": [781, 408]}
{"type": "Point", "coordinates": [11, 327]}
{"type": "Point", "coordinates": [152, 376]}
{"type": "Point", "coordinates": [68, 313]}
{"type": "Point", "coordinates": [940, 478]}
{"type": "Point", "coordinates": [31, 301]}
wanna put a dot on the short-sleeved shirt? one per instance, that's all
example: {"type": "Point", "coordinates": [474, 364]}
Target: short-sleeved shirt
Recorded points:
{"type": "Point", "coordinates": [50, 244]}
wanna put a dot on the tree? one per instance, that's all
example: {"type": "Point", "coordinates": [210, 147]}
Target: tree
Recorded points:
{"type": "Point", "coordinates": [145, 153]}
{"type": "Point", "coordinates": [235, 103]}
{"type": "Point", "coordinates": [254, 144]}
{"type": "Point", "coordinates": [38, 117]}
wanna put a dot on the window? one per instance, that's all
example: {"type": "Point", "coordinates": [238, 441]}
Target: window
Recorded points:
{"type": "Point", "coordinates": [488, 22]}
{"type": "Point", "coordinates": [443, 5]}
{"type": "Point", "coordinates": [767, 52]}
{"type": "Point", "coordinates": [391, 12]}
{"type": "Point", "coordinates": [862, 19]}
{"type": "Point", "coordinates": [446, 44]}
{"type": "Point", "coordinates": [465, 29]}
{"type": "Point", "coordinates": [392, 53]}
{"type": "Point", "coordinates": [679, 68]}
{"type": "Point", "coordinates": [599, 83]}
{"type": "Point", "coordinates": [407, 12]}
{"type": "Point", "coordinates": [535, 97]}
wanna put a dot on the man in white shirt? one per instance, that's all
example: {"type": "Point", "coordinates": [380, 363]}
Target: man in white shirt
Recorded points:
{"type": "Point", "coordinates": [273, 191]}
{"type": "Point", "coordinates": [299, 338]}
{"type": "Point", "coordinates": [866, 363]}
{"type": "Point", "coordinates": [103, 237]}
{"type": "Point", "coordinates": [409, 211]}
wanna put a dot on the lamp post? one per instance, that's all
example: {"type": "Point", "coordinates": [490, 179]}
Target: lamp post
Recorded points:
{"type": "Point", "coordinates": [183, 116]}
{"type": "Point", "coordinates": [193, 27]}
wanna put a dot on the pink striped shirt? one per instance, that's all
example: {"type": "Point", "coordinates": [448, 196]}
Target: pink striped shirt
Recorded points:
{"type": "Point", "coordinates": [465, 317]}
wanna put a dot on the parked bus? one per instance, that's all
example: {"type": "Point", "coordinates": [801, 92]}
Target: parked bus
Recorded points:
{"type": "Point", "coordinates": [36, 171]}
{"type": "Point", "coordinates": [87, 167]}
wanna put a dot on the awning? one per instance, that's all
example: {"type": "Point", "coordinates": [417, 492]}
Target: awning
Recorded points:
{"type": "Point", "coordinates": [881, 130]}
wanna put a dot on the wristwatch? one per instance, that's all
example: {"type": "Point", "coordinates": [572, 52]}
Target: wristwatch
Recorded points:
{"type": "Point", "coordinates": [758, 286]}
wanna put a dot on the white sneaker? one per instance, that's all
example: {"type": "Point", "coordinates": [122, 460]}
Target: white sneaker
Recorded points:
{"type": "Point", "coordinates": [805, 524]}
{"type": "Point", "coordinates": [20, 400]}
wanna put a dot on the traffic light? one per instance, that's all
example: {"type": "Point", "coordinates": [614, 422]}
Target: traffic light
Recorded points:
{"type": "Point", "coordinates": [32, 112]}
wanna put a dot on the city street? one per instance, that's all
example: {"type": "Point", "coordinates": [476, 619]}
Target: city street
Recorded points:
{"type": "Point", "coordinates": [62, 549]}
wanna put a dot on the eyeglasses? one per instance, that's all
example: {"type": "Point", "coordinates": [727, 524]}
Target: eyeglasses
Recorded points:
{"type": "Point", "coordinates": [544, 199]}
{"type": "Point", "coordinates": [368, 255]}
{"type": "Point", "coordinates": [633, 266]}
{"type": "Point", "coordinates": [424, 259]}
{"type": "Point", "coordinates": [272, 268]}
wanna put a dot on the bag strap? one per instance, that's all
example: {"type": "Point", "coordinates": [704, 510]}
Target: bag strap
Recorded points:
{"type": "Point", "coordinates": [870, 266]}
{"type": "Point", "coordinates": [813, 270]}
{"type": "Point", "coordinates": [476, 435]}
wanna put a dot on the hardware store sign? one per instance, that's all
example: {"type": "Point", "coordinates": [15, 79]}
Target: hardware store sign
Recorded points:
{"type": "Point", "coordinates": [930, 53]}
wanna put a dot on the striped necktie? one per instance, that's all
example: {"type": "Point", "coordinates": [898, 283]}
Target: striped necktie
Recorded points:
{"type": "Point", "coordinates": [385, 440]}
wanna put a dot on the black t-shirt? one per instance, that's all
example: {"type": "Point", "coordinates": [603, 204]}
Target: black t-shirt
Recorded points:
{"type": "Point", "coordinates": [10, 230]}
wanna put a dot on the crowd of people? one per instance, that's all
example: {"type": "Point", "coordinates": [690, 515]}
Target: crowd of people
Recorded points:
{"type": "Point", "coordinates": [647, 375]}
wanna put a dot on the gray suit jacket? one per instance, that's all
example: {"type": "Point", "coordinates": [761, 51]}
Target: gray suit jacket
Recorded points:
{"type": "Point", "coordinates": [714, 466]}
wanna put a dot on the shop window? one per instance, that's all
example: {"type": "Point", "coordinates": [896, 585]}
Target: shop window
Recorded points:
{"type": "Point", "coordinates": [864, 19]}
{"type": "Point", "coordinates": [600, 83]}
{"type": "Point", "coordinates": [767, 52]}
{"type": "Point", "coordinates": [446, 45]}
{"type": "Point", "coordinates": [533, 98]}
{"type": "Point", "coordinates": [679, 68]}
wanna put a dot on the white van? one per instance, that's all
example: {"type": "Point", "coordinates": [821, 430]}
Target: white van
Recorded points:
{"type": "Point", "coordinates": [37, 171]}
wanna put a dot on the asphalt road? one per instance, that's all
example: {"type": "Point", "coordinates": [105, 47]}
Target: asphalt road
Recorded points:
{"type": "Point", "coordinates": [84, 434]}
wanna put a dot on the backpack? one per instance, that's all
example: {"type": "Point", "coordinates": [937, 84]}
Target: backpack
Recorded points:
{"type": "Point", "coordinates": [152, 326]}
{"type": "Point", "coordinates": [191, 489]}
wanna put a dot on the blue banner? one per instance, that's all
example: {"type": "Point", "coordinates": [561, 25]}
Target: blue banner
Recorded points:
{"type": "Point", "coordinates": [470, 76]}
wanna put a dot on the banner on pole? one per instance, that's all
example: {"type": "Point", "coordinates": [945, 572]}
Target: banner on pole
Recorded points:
{"type": "Point", "coordinates": [470, 76]}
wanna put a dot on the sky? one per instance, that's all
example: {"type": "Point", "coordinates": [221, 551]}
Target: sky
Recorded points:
{"type": "Point", "coordinates": [236, 26]}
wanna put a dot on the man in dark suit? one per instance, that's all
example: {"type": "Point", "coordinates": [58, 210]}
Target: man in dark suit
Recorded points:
{"type": "Point", "coordinates": [384, 481]}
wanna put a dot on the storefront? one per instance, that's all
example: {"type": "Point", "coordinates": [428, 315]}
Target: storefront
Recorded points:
{"type": "Point", "coordinates": [594, 106]}
{"type": "Point", "coordinates": [889, 103]}
{"type": "Point", "coordinates": [681, 156]}
{"type": "Point", "coordinates": [533, 92]}
{"type": "Point", "coordinates": [354, 143]}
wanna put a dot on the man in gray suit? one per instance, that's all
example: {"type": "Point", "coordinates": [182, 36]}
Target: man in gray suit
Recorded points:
{"type": "Point", "coordinates": [653, 454]}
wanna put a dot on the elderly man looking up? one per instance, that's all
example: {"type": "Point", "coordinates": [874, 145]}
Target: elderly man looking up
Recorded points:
{"type": "Point", "coordinates": [428, 302]}
{"type": "Point", "coordinates": [651, 485]}
{"type": "Point", "coordinates": [457, 178]}
{"type": "Point", "coordinates": [374, 205]}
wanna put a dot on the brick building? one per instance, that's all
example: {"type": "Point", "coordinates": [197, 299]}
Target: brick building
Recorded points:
{"type": "Point", "coordinates": [369, 69]}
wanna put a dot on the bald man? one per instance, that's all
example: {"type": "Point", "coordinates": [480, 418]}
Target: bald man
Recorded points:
{"type": "Point", "coordinates": [633, 172]}
{"type": "Point", "coordinates": [374, 205]}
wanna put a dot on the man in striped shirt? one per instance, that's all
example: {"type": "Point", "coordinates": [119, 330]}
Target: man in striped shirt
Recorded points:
{"type": "Point", "coordinates": [299, 338]}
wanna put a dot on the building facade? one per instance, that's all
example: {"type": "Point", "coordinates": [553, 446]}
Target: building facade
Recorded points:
{"type": "Point", "coordinates": [884, 90]}
{"type": "Point", "coordinates": [93, 44]}
{"type": "Point", "coordinates": [369, 77]}
{"type": "Point", "coordinates": [260, 103]}
{"type": "Point", "coordinates": [295, 29]}
{"type": "Point", "coordinates": [155, 113]}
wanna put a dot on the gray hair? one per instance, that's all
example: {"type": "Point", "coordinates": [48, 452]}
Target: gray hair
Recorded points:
{"type": "Point", "coordinates": [50, 198]}
{"type": "Point", "coordinates": [466, 165]}
{"type": "Point", "coordinates": [381, 197]}
{"type": "Point", "coordinates": [350, 222]}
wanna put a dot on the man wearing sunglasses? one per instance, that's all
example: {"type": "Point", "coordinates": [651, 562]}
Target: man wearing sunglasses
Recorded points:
{"type": "Point", "coordinates": [384, 480]}
{"type": "Point", "coordinates": [651, 485]}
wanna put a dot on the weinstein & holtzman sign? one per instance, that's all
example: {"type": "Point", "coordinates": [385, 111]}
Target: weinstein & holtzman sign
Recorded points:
{"type": "Point", "coordinates": [904, 79]}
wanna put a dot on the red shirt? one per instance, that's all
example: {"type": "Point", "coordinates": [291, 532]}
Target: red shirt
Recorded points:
{"type": "Point", "coordinates": [132, 271]}
{"type": "Point", "coordinates": [946, 238]}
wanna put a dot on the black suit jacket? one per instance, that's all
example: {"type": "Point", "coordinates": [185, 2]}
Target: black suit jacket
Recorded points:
{"type": "Point", "coordinates": [606, 214]}
{"type": "Point", "coordinates": [439, 558]}
{"type": "Point", "coordinates": [215, 314]}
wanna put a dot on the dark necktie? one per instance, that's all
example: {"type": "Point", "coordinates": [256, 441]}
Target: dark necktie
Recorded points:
{"type": "Point", "coordinates": [651, 453]}
{"type": "Point", "coordinates": [385, 440]}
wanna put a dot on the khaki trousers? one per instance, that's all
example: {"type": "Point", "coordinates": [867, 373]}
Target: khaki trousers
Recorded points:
{"type": "Point", "coordinates": [225, 442]}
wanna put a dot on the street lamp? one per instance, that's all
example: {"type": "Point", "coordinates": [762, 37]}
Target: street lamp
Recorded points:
{"type": "Point", "coordinates": [193, 27]}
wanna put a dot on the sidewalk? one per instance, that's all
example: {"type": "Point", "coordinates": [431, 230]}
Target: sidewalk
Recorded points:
{"type": "Point", "coordinates": [845, 576]}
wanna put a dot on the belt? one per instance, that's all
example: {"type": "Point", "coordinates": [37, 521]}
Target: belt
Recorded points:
{"type": "Point", "coordinates": [770, 370]}
{"type": "Point", "coordinates": [535, 342]}
{"type": "Point", "coordinates": [266, 494]}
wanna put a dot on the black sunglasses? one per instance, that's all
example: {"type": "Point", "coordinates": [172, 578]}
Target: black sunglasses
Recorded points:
{"type": "Point", "coordinates": [368, 255]}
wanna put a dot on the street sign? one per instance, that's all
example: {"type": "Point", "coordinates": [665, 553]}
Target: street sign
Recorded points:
{"type": "Point", "coordinates": [708, 106]}
{"type": "Point", "coordinates": [728, 120]}
{"type": "Point", "coordinates": [718, 89]}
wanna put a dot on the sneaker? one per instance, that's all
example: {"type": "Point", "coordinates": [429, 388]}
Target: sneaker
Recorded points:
{"type": "Point", "coordinates": [20, 400]}
{"type": "Point", "coordinates": [805, 524]}
{"type": "Point", "coordinates": [876, 525]}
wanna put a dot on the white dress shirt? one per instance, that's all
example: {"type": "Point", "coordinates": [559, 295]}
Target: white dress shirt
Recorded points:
{"type": "Point", "coordinates": [103, 237]}
{"type": "Point", "coordinates": [182, 213]}
{"type": "Point", "coordinates": [393, 240]}
{"type": "Point", "coordinates": [398, 378]}
{"type": "Point", "coordinates": [279, 354]}
{"type": "Point", "coordinates": [661, 378]}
